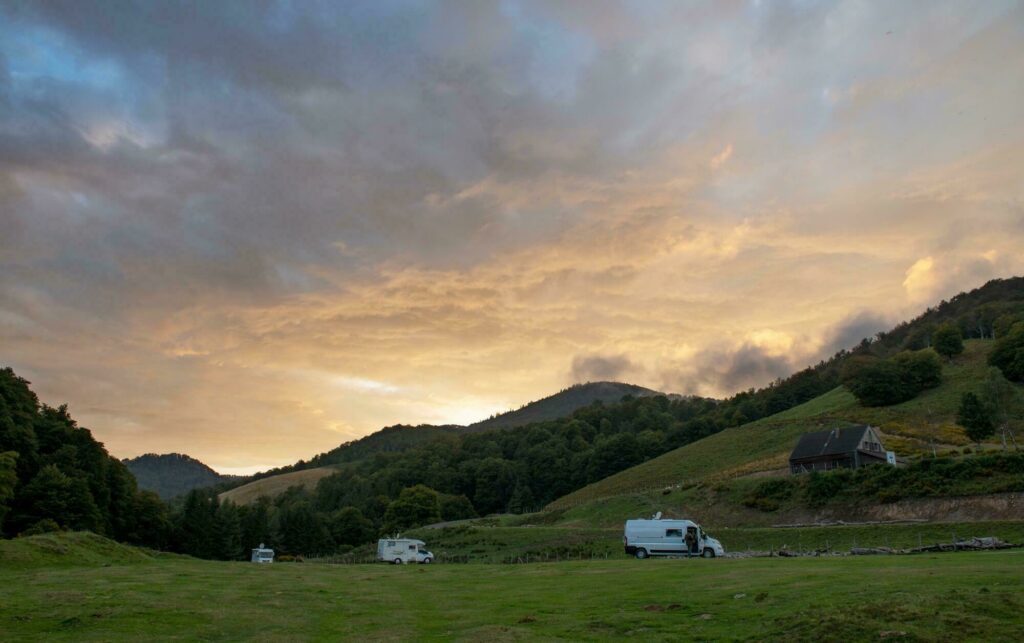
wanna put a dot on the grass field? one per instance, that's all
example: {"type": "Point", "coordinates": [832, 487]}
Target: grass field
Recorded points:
{"type": "Point", "coordinates": [765, 445]}
{"type": "Point", "coordinates": [276, 485]}
{"type": "Point", "coordinates": [965, 596]}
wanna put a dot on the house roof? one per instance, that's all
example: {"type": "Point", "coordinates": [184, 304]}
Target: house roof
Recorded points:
{"type": "Point", "coordinates": [829, 442]}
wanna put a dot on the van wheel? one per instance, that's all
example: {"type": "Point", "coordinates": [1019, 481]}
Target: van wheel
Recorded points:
{"type": "Point", "coordinates": [641, 553]}
{"type": "Point", "coordinates": [397, 561]}
{"type": "Point", "coordinates": [427, 561]}
{"type": "Point", "coordinates": [708, 553]}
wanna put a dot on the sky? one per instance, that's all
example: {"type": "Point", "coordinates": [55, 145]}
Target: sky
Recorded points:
{"type": "Point", "coordinates": [251, 231]}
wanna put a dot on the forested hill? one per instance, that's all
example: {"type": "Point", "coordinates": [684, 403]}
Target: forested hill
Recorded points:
{"type": "Point", "coordinates": [172, 474]}
{"type": "Point", "coordinates": [394, 439]}
{"type": "Point", "coordinates": [54, 475]}
{"type": "Point", "coordinates": [562, 404]}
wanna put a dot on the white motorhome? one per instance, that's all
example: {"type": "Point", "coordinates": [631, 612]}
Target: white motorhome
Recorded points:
{"type": "Point", "coordinates": [403, 550]}
{"type": "Point", "coordinates": [262, 555]}
{"type": "Point", "coordinates": [665, 537]}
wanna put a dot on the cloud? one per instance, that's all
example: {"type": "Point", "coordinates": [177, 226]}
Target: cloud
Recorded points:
{"type": "Point", "coordinates": [851, 330]}
{"type": "Point", "coordinates": [719, 159]}
{"type": "Point", "coordinates": [437, 208]}
{"type": "Point", "coordinates": [921, 279]}
{"type": "Point", "coordinates": [595, 368]}
{"type": "Point", "coordinates": [715, 371]}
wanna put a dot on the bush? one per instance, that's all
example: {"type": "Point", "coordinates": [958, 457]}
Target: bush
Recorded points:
{"type": "Point", "coordinates": [770, 494]}
{"type": "Point", "coordinates": [882, 382]}
{"type": "Point", "coordinates": [45, 526]}
{"type": "Point", "coordinates": [921, 368]}
{"type": "Point", "coordinates": [947, 340]}
{"type": "Point", "coordinates": [821, 488]}
{"type": "Point", "coordinates": [877, 382]}
{"type": "Point", "coordinates": [1008, 353]}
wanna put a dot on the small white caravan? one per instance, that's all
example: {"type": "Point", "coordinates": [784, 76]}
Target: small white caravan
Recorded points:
{"type": "Point", "coordinates": [666, 537]}
{"type": "Point", "coordinates": [262, 555]}
{"type": "Point", "coordinates": [403, 550]}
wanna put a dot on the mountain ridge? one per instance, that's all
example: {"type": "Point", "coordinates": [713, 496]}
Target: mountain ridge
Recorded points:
{"type": "Point", "coordinates": [172, 474]}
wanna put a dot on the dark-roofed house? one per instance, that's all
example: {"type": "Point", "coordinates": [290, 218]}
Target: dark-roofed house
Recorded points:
{"type": "Point", "coordinates": [847, 448]}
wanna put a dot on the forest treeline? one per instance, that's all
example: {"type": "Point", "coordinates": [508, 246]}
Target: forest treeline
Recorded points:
{"type": "Point", "coordinates": [55, 475]}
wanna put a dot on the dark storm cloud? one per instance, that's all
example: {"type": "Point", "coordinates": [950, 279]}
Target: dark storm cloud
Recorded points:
{"type": "Point", "coordinates": [852, 330]}
{"type": "Point", "coordinates": [595, 368]}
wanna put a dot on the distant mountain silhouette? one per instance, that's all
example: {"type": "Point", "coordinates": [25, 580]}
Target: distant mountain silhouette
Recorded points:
{"type": "Point", "coordinates": [563, 403]}
{"type": "Point", "coordinates": [173, 474]}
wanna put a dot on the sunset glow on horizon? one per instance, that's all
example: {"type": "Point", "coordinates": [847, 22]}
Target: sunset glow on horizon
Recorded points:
{"type": "Point", "coordinates": [250, 236]}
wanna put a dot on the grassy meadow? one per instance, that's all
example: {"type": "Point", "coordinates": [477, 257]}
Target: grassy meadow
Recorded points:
{"type": "Point", "coordinates": [49, 596]}
{"type": "Point", "coordinates": [276, 485]}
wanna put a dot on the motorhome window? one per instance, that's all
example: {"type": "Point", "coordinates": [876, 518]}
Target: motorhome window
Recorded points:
{"type": "Point", "coordinates": [673, 533]}
{"type": "Point", "coordinates": [412, 547]}
{"type": "Point", "coordinates": [391, 543]}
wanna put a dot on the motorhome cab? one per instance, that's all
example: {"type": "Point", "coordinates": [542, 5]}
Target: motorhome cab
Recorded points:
{"type": "Point", "coordinates": [657, 537]}
{"type": "Point", "coordinates": [262, 555]}
{"type": "Point", "coordinates": [403, 550]}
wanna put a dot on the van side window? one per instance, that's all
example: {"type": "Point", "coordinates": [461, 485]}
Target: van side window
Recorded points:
{"type": "Point", "coordinates": [673, 533]}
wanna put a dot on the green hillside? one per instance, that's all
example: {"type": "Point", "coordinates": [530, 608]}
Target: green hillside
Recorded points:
{"type": "Point", "coordinates": [762, 446]}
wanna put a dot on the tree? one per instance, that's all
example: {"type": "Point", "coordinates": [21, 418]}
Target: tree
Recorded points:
{"type": "Point", "coordinates": [257, 523]}
{"type": "Point", "coordinates": [456, 507]}
{"type": "Point", "coordinates": [417, 505]}
{"type": "Point", "coordinates": [877, 382]}
{"type": "Point", "coordinates": [1003, 400]}
{"type": "Point", "coordinates": [8, 480]}
{"type": "Point", "coordinates": [349, 527]}
{"type": "Point", "coordinates": [522, 498]}
{"type": "Point", "coordinates": [229, 532]}
{"type": "Point", "coordinates": [612, 455]}
{"type": "Point", "coordinates": [151, 526]}
{"type": "Point", "coordinates": [1004, 323]}
{"type": "Point", "coordinates": [197, 525]}
{"type": "Point", "coordinates": [975, 418]}
{"type": "Point", "coordinates": [493, 485]}
{"type": "Point", "coordinates": [948, 341]}
{"type": "Point", "coordinates": [1008, 353]}
{"type": "Point", "coordinates": [921, 368]}
{"type": "Point", "coordinates": [54, 495]}
{"type": "Point", "coordinates": [302, 531]}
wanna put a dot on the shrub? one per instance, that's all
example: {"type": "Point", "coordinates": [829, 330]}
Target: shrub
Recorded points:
{"type": "Point", "coordinates": [770, 494]}
{"type": "Point", "coordinates": [1008, 353]}
{"type": "Point", "coordinates": [975, 418]}
{"type": "Point", "coordinates": [947, 340]}
{"type": "Point", "coordinates": [821, 488]}
{"type": "Point", "coordinates": [45, 526]}
{"type": "Point", "coordinates": [920, 368]}
{"type": "Point", "coordinates": [877, 382]}
{"type": "Point", "coordinates": [881, 382]}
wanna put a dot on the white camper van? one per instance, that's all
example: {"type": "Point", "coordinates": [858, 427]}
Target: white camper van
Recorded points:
{"type": "Point", "coordinates": [403, 550]}
{"type": "Point", "coordinates": [262, 555]}
{"type": "Point", "coordinates": [664, 537]}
